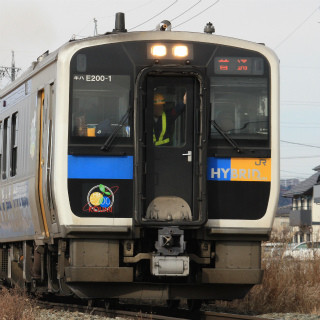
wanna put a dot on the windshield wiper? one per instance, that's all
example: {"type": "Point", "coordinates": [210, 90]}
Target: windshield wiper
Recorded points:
{"type": "Point", "coordinates": [106, 146]}
{"type": "Point", "coordinates": [226, 136]}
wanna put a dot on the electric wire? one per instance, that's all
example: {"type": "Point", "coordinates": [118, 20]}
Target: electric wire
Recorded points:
{"type": "Point", "coordinates": [293, 175]}
{"type": "Point", "coordinates": [78, 34]}
{"type": "Point", "coordinates": [139, 7]}
{"type": "Point", "coordinates": [184, 12]}
{"type": "Point", "coordinates": [295, 127]}
{"type": "Point", "coordinates": [155, 15]}
{"type": "Point", "coordinates": [301, 157]}
{"type": "Point", "coordinates": [301, 123]}
{"type": "Point", "coordinates": [304, 103]}
{"type": "Point", "coordinates": [297, 28]}
{"type": "Point", "coordinates": [300, 144]}
{"type": "Point", "coordinates": [298, 125]}
{"type": "Point", "coordinates": [198, 14]}
{"type": "Point", "coordinates": [303, 173]}
{"type": "Point", "coordinates": [299, 67]}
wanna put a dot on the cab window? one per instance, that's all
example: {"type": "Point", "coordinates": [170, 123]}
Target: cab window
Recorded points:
{"type": "Point", "coordinates": [99, 103]}
{"type": "Point", "coordinates": [239, 105]}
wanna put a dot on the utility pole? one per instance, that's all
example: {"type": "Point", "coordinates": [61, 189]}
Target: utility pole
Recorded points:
{"type": "Point", "coordinates": [9, 72]}
{"type": "Point", "coordinates": [13, 67]}
{"type": "Point", "coordinates": [95, 32]}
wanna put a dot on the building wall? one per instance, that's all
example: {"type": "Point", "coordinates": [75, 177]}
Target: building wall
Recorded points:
{"type": "Point", "coordinates": [315, 220]}
{"type": "Point", "coordinates": [297, 234]}
{"type": "Point", "coordinates": [280, 229]}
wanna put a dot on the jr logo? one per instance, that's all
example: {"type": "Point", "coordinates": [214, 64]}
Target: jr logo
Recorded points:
{"type": "Point", "coordinates": [260, 162]}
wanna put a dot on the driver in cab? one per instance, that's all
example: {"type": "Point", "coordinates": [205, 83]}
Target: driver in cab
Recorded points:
{"type": "Point", "coordinates": [163, 120]}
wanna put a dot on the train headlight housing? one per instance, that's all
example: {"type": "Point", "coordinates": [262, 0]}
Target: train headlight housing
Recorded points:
{"type": "Point", "coordinates": [180, 51]}
{"type": "Point", "coordinates": [170, 51]}
{"type": "Point", "coordinates": [158, 51]}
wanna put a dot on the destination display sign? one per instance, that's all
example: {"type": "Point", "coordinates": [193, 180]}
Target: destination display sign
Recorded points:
{"type": "Point", "coordinates": [238, 65]}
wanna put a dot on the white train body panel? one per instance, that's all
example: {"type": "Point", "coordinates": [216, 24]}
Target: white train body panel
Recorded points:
{"type": "Point", "coordinates": [121, 206]}
{"type": "Point", "coordinates": [262, 226]}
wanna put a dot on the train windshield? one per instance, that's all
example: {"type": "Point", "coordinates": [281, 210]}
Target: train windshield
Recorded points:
{"type": "Point", "coordinates": [99, 103]}
{"type": "Point", "coordinates": [240, 108]}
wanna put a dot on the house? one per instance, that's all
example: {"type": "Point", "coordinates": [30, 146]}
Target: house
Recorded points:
{"type": "Point", "coordinates": [304, 216]}
{"type": "Point", "coordinates": [281, 229]}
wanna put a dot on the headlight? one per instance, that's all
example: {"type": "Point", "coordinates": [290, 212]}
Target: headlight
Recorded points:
{"type": "Point", "coordinates": [170, 51]}
{"type": "Point", "coordinates": [158, 51]}
{"type": "Point", "coordinates": [180, 51]}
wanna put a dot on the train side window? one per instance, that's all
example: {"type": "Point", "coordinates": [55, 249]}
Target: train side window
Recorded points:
{"type": "Point", "coordinates": [4, 148]}
{"type": "Point", "coordinates": [14, 146]}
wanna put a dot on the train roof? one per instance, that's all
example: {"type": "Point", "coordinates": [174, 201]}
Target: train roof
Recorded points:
{"type": "Point", "coordinates": [42, 61]}
{"type": "Point", "coordinates": [48, 58]}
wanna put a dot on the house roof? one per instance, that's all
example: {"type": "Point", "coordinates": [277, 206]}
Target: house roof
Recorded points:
{"type": "Point", "coordinates": [304, 186]}
{"type": "Point", "coordinates": [317, 168]}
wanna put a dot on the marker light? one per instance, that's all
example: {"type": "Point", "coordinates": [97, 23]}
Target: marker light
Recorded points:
{"type": "Point", "coordinates": [159, 50]}
{"type": "Point", "coordinates": [180, 51]}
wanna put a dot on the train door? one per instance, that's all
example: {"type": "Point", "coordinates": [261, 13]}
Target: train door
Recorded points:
{"type": "Point", "coordinates": [45, 100]}
{"type": "Point", "coordinates": [170, 148]}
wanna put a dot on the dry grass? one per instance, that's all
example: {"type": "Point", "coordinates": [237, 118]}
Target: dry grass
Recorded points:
{"type": "Point", "coordinates": [15, 305]}
{"type": "Point", "coordinates": [287, 286]}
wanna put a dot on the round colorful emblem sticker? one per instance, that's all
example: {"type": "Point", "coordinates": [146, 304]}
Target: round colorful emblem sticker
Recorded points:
{"type": "Point", "coordinates": [101, 198]}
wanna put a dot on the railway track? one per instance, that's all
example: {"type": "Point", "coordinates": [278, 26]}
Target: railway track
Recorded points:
{"type": "Point", "coordinates": [145, 312]}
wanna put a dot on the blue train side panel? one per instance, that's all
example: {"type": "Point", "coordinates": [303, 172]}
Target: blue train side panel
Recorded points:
{"type": "Point", "coordinates": [97, 167]}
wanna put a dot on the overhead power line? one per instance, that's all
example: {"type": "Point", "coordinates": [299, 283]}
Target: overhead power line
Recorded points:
{"type": "Point", "coordinates": [299, 173]}
{"type": "Point", "coordinates": [295, 172]}
{"type": "Point", "coordinates": [300, 102]}
{"type": "Point", "coordinates": [300, 144]}
{"type": "Point", "coordinates": [184, 12]}
{"type": "Point", "coordinates": [297, 28]}
{"type": "Point", "coordinates": [198, 14]}
{"type": "Point", "coordinates": [156, 15]}
{"type": "Point", "coordinates": [139, 7]}
{"type": "Point", "coordinates": [78, 34]}
{"type": "Point", "coordinates": [285, 176]}
{"type": "Point", "coordinates": [301, 157]}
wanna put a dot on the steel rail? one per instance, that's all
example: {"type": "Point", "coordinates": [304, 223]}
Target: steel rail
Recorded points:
{"type": "Point", "coordinates": [143, 314]}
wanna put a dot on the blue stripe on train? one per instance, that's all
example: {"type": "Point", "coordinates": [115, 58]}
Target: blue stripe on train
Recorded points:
{"type": "Point", "coordinates": [100, 167]}
{"type": "Point", "coordinates": [218, 169]}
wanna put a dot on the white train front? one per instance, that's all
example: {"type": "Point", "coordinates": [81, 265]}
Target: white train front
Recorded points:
{"type": "Point", "coordinates": [140, 165]}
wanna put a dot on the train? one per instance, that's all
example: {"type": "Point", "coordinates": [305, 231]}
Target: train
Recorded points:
{"type": "Point", "coordinates": [140, 165]}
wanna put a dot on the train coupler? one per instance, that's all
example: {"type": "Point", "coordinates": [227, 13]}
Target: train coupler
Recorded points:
{"type": "Point", "coordinates": [168, 260]}
{"type": "Point", "coordinates": [170, 241]}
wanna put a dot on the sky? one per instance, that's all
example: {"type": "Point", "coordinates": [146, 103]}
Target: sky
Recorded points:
{"type": "Point", "coordinates": [290, 27]}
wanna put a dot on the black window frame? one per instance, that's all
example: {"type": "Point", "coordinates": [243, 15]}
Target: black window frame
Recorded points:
{"type": "Point", "coordinates": [14, 145]}
{"type": "Point", "coordinates": [250, 147]}
{"type": "Point", "coordinates": [4, 148]}
{"type": "Point", "coordinates": [77, 144]}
